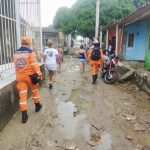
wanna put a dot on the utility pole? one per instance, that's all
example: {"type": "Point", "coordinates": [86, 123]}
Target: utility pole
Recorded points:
{"type": "Point", "coordinates": [97, 19]}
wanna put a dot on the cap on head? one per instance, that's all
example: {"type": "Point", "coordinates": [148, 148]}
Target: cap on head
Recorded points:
{"type": "Point", "coordinates": [50, 41]}
{"type": "Point", "coordinates": [26, 40]}
{"type": "Point", "coordinates": [95, 41]}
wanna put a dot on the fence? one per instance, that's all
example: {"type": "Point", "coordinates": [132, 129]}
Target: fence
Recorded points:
{"type": "Point", "coordinates": [18, 18]}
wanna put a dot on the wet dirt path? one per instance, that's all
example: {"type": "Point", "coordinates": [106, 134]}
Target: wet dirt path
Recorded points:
{"type": "Point", "coordinates": [79, 115]}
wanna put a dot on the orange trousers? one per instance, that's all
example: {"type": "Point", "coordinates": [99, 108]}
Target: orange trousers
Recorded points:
{"type": "Point", "coordinates": [22, 86]}
{"type": "Point", "coordinates": [95, 68]}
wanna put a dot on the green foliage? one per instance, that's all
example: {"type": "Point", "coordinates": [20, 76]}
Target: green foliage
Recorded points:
{"type": "Point", "coordinates": [137, 3]}
{"type": "Point", "coordinates": [80, 19]}
{"type": "Point", "coordinates": [114, 9]}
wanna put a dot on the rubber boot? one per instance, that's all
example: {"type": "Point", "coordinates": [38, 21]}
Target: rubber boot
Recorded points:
{"type": "Point", "coordinates": [96, 76]}
{"type": "Point", "coordinates": [94, 79]}
{"type": "Point", "coordinates": [38, 107]}
{"type": "Point", "coordinates": [24, 116]}
{"type": "Point", "coordinates": [50, 86]}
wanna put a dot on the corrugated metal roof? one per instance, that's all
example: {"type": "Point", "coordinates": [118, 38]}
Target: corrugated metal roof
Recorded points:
{"type": "Point", "coordinates": [133, 16]}
{"type": "Point", "coordinates": [50, 30]}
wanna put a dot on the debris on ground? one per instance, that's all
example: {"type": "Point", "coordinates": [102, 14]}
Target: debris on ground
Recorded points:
{"type": "Point", "coordinates": [92, 144]}
{"type": "Point", "coordinates": [71, 147]}
{"type": "Point", "coordinates": [146, 148]}
{"type": "Point", "coordinates": [37, 144]}
{"type": "Point", "coordinates": [48, 125]}
{"type": "Point", "coordinates": [76, 112]}
{"type": "Point", "coordinates": [139, 147]}
{"type": "Point", "coordinates": [96, 138]}
{"type": "Point", "coordinates": [129, 137]}
{"type": "Point", "coordinates": [95, 126]}
{"type": "Point", "coordinates": [139, 127]}
{"type": "Point", "coordinates": [129, 117]}
{"type": "Point", "coordinates": [147, 120]}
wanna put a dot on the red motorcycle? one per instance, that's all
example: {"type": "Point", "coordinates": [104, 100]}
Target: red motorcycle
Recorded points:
{"type": "Point", "coordinates": [109, 71]}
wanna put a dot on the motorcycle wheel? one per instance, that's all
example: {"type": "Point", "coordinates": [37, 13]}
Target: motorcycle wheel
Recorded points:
{"type": "Point", "coordinates": [110, 78]}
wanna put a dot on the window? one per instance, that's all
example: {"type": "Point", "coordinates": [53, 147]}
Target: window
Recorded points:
{"type": "Point", "coordinates": [131, 40]}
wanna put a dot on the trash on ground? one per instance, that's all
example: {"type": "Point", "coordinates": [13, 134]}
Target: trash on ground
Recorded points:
{"type": "Point", "coordinates": [95, 126]}
{"type": "Point", "coordinates": [92, 144]}
{"type": "Point", "coordinates": [128, 137]}
{"type": "Point", "coordinates": [71, 147]}
{"type": "Point", "coordinates": [129, 117]}
{"type": "Point", "coordinates": [76, 112]}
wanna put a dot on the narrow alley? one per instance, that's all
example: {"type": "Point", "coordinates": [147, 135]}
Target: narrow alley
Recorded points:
{"type": "Point", "coordinates": [77, 115]}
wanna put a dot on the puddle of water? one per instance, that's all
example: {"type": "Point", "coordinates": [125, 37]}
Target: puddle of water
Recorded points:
{"type": "Point", "coordinates": [106, 142]}
{"type": "Point", "coordinates": [81, 102]}
{"type": "Point", "coordinates": [72, 126]}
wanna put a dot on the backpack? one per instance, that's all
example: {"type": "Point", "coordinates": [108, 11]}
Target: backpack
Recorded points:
{"type": "Point", "coordinates": [96, 55]}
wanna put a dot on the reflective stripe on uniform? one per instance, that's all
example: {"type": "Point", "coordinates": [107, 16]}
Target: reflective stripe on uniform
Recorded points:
{"type": "Point", "coordinates": [22, 103]}
{"type": "Point", "coordinates": [35, 90]}
{"type": "Point", "coordinates": [23, 91]}
{"type": "Point", "coordinates": [34, 63]}
{"type": "Point", "coordinates": [38, 72]}
{"type": "Point", "coordinates": [35, 97]}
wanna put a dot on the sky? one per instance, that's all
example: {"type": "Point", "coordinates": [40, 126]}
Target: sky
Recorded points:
{"type": "Point", "coordinates": [50, 7]}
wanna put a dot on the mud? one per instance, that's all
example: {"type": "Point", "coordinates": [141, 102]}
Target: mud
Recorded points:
{"type": "Point", "coordinates": [82, 116]}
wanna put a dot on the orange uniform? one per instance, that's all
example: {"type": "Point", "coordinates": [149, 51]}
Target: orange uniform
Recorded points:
{"type": "Point", "coordinates": [26, 64]}
{"type": "Point", "coordinates": [95, 64]}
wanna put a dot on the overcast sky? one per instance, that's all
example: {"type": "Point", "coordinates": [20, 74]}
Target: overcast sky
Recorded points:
{"type": "Point", "coordinates": [50, 7]}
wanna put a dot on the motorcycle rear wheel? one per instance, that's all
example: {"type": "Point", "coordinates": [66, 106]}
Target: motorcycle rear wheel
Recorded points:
{"type": "Point", "coordinates": [110, 78]}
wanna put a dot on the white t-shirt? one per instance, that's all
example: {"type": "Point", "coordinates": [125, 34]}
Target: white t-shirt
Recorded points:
{"type": "Point", "coordinates": [50, 54]}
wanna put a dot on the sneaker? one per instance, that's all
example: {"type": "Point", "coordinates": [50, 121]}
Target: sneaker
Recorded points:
{"type": "Point", "coordinates": [38, 107]}
{"type": "Point", "coordinates": [50, 86]}
{"type": "Point", "coordinates": [24, 116]}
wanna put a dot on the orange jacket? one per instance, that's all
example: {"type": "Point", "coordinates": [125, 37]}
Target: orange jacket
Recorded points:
{"type": "Point", "coordinates": [26, 63]}
{"type": "Point", "coordinates": [100, 61]}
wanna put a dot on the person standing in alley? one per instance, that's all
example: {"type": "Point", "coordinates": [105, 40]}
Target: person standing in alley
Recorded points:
{"type": "Point", "coordinates": [28, 75]}
{"type": "Point", "coordinates": [82, 58]}
{"type": "Point", "coordinates": [95, 57]}
{"type": "Point", "coordinates": [50, 55]}
{"type": "Point", "coordinates": [59, 58]}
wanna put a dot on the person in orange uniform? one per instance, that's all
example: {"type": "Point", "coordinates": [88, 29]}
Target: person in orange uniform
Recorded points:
{"type": "Point", "coordinates": [95, 57]}
{"type": "Point", "coordinates": [26, 64]}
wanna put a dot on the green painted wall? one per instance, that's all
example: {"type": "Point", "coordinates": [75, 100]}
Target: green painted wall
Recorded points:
{"type": "Point", "coordinates": [148, 35]}
{"type": "Point", "coordinates": [147, 52]}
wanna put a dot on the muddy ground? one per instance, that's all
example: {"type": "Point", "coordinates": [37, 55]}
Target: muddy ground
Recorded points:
{"type": "Point", "coordinates": [79, 115]}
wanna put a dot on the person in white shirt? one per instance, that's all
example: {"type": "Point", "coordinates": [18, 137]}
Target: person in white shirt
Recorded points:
{"type": "Point", "coordinates": [50, 55]}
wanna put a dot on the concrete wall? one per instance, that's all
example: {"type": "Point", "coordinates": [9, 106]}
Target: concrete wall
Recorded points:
{"type": "Point", "coordinates": [140, 77]}
{"type": "Point", "coordinates": [142, 80]}
{"type": "Point", "coordinates": [134, 64]}
{"type": "Point", "coordinates": [9, 101]}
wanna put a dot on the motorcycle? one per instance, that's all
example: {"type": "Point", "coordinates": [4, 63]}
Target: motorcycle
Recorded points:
{"type": "Point", "coordinates": [108, 71]}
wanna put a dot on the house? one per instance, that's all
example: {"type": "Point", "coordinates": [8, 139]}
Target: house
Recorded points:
{"type": "Point", "coordinates": [50, 33]}
{"type": "Point", "coordinates": [131, 34]}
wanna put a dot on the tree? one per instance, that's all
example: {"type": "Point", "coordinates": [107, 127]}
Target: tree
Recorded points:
{"type": "Point", "coordinates": [80, 19]}
{"type": "Point", "coordinates": [61, 18]}
{"type": "Point", "coordinates": [114, 10]}
{"type": "Point", "coordinates": [137, 3]}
